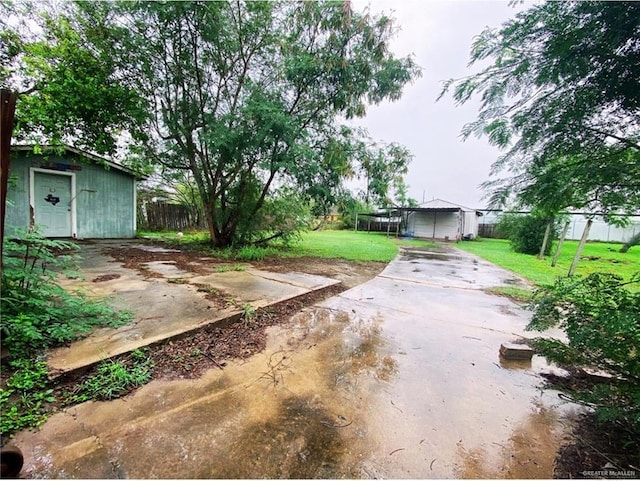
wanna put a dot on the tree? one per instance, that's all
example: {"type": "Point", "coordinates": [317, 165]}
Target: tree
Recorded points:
{"type": "Point", "coordinates": [384, 167]}
{"type": "Point", "coordinates": [561, 97]}
{"type": "Point", "coordinates": [66, 89]}
{"type": "Point", "coordinates": [248, 96]}
{"type": "Point", "coordinates": [601, 316]}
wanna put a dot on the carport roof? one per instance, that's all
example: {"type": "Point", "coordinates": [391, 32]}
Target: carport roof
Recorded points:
{"type": "Point", "coordinates": [435, 205]}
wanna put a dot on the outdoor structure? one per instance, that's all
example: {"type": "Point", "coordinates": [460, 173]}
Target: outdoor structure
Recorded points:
{"type": "Point", "coordinates": [69, 193]}
{"type": "Point", "coordinates": [442, 220]}
{"type": "Point", "coordinates": [436, 219]}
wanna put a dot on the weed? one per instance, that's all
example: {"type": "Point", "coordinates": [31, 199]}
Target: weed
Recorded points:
{"type": "Point", "coordinates": [238, 267]}
{"type": "Point", "coordinates": [37, 312]}
{"type": "Point", "coordinates": [248, 313]}
{"type": "Point", "coordinates": [23, 403]}
{"type": "Point", "coordinates": [116, 378]}
{"type": "Point", "coordinates": [223, 268]}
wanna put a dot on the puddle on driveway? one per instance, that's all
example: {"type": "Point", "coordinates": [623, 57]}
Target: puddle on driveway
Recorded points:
{"type": "Point", "coordinates": [334, 395]}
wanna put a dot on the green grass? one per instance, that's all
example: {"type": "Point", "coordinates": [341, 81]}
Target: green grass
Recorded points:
{"type": "Point", "coordinates": [350, 245]}
{"type": "Point", "coordinates": [342, 244]}
{"type": "Point", "coordinates": [596, 257]}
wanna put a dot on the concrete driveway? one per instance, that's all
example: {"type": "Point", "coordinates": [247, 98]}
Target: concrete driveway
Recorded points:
{"type": "Point", "coordinates": [399, 377]}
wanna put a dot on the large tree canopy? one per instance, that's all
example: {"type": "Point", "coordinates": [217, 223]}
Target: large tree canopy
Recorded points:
{"type": "Point", "coordinates": [250, 97]}
{"type": "Point", "coordinates": [562, 98]}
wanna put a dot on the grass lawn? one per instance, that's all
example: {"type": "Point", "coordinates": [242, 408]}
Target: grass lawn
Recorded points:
{"type": "Point", "coordinates": [350, 245]}
{"type": "Point", "coordinates": [344, 244]}
{"type": "Point", "coordinates": [596, 257]}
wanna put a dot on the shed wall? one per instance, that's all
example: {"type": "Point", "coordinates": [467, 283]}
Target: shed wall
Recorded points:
{"type": "Point", "coordinates": [109, 212]}
{"type": "Point", "coordinates": [434, 225]}
{"type": "Point", "coordinates": [470, 224]}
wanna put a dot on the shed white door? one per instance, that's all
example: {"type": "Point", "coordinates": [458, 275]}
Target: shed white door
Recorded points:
{"type": "Point", "coordinates": [52, 204]}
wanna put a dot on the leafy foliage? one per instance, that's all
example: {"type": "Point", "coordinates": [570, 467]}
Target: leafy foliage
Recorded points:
{"type": "Point", "coordinates": [248, 97]}
{"type": "Point", "coordinates": [67, 90]}
{"type": "Point", "coordinates": [525, 232]}
{"type": "Point", "coordinates": [23, 401]}
{"type": "Point", "coordinates": [601, 318]}
{"type": "Point", "coordinates": [36, 312]}
{"type": "Point", "coordinates": [561, 98]}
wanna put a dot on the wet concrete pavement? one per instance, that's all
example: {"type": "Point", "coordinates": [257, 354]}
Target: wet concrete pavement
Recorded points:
{"type": "Point", "coordinates": [399, 377]}
{"type": "Point", "coordinates": [169, 305]}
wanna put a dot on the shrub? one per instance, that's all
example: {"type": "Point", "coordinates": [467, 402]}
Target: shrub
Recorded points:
{"type": "Point", "coordinates": [525, 232]}
{"type": "Point", "coordinates": [601, 318]}
{"type": "Point", "coordinates": [37, 312]}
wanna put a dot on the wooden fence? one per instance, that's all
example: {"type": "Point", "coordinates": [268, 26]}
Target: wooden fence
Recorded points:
{"type": "Point", "coordinates": [489, 230]}
{"type": "Point", "coordinates": [161, 216]}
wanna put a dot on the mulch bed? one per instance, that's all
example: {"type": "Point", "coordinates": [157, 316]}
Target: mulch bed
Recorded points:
{"type": "Point", "coordinates": [212, 347]}
{"type": "Point", "coordinates": [188, 357]}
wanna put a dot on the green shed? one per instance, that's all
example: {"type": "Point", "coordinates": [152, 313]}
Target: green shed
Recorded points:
{"type": "Point", "coordinates": [70, 193]}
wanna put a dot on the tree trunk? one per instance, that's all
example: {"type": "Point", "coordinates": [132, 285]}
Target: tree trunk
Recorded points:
{"type": "Point", "coordinates": [634, 241]}
{"type": "Point", "coordinates": [565, 229]}
{"type": "Point", "coordinates": [543, 247]}
{"type": "Point", "coordinates": [7, 112]}
{"type": "Point", "coordinates": [583, 241]}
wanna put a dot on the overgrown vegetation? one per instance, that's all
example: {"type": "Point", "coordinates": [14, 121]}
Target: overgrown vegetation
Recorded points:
{"type": "Point", "coordinates": [601, 317]}
{"type": "Point", "coordinates": [525, 233]}
{"type": "Point", "coordinates": [116, 378]}
{"type": "Point", "coordinates": [37, 313]}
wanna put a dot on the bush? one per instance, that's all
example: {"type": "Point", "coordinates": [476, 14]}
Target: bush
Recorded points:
{"type": "Point", "coordinates": [38, 313]}
{"type": "Point", "coordinates": [601, 318]}
{"type": "Point", "coordinates": [525, 232]}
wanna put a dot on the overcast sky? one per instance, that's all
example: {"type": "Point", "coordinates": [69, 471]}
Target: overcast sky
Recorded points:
{"type": "Point", "coordinates": [439, 33]}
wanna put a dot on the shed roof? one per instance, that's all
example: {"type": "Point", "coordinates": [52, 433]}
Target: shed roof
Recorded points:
{"type": "Point", "coordinates": [431, 206]}
{"type": "Point", "coordinates": [81, 153]}
{"type": "Point", "coordinates": [443, 204]}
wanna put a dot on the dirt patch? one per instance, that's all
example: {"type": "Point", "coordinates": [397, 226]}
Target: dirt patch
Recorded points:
{"type": "Point", "coordinates": [350, 273]}
{"type": "Point", "coordinates": [106, 277]}
{"type": "Point", "coordinates": [134, 258]}
{"type": "Point", "coordinates": [597, 449]}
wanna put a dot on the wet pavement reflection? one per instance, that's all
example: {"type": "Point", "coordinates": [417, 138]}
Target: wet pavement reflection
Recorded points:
{"type": "Point", "coordinates": [396, 378]}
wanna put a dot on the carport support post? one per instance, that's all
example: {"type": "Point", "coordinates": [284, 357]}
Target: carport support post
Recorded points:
{"type": "Point", "coordinates": [355, 228]}
{"type": "Point", "coordinates": [388, 222]}
{"type": "Point", "coordinates": [435, 217]}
